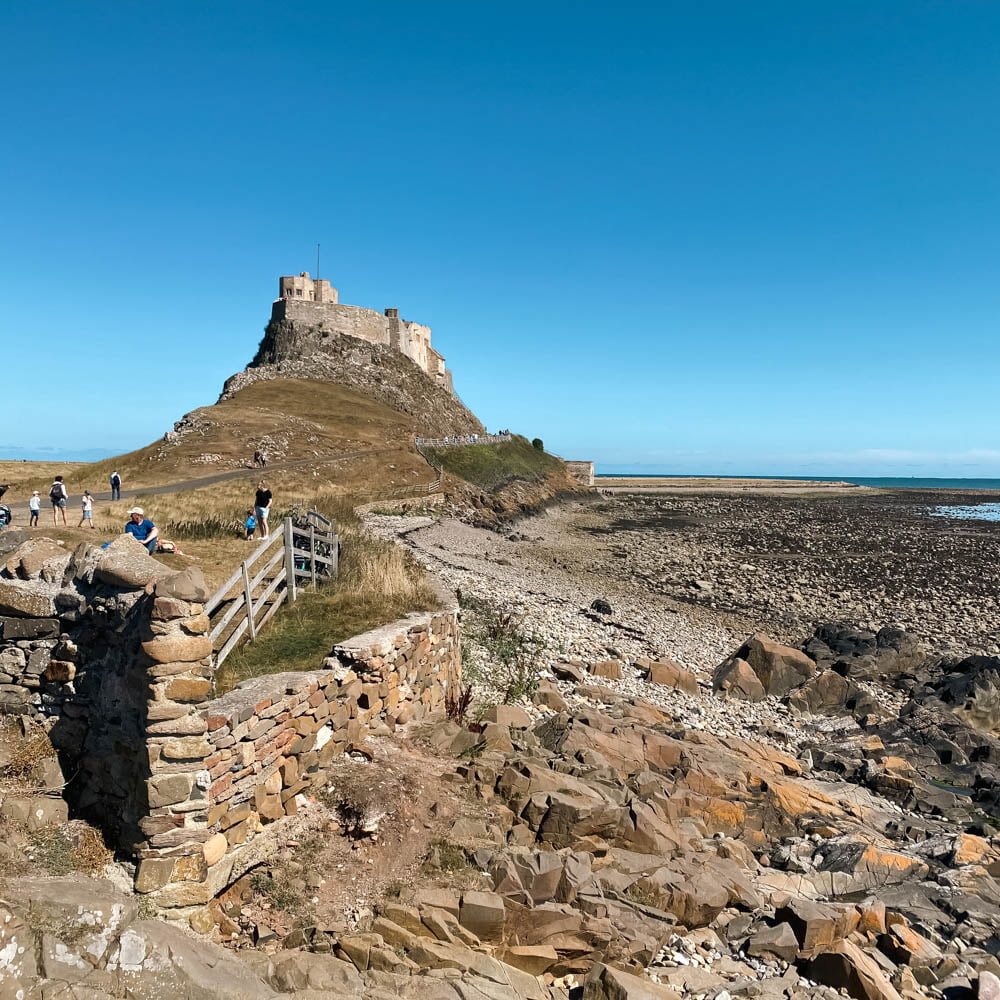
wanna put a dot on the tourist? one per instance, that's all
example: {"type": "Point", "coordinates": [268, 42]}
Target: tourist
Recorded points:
{"type": "Point", "coordinates": [142, 529]}
{"type": "Point", "coordinates": [116, 486]}
{"type": "Point", "coordinates": [250, 524]}
{"type": "Point", "coordinates": [86, 510]}
{"type": "Point", "coordinates": [34, 508]}
{"type": "Point", "coordinates": [59, 498]}
{"type": "Point", "coordinates": [262, 507]}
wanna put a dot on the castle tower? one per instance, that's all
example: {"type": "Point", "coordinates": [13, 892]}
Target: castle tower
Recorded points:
{"type": "Point", "coordinates": [305, 289]}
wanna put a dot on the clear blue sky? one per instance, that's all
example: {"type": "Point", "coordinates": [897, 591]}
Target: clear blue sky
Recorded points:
{"type": "Point", "coordinates": [706, 237]}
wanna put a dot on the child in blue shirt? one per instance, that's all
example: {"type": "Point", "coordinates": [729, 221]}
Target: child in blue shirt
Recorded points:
{"type": "Point", "coordinates": [251, 524]}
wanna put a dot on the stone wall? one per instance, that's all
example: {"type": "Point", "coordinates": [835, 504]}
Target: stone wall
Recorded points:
{"type": "Point", "coordinates": [111, 649]}
{"type": "Point", "coordinates": [582, 472]}
{"type": "Point", "coordinates": [231, 771]}
{"type": "Point", "coordinates": [73, 627]}
{"type": "Point", "coordinates": [315, 323]}
{"type": "Point", "coordinates": [334, 318]}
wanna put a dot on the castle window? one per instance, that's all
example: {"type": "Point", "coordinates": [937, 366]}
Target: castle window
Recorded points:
{"type": "Point", "coordinates": [298, 292]}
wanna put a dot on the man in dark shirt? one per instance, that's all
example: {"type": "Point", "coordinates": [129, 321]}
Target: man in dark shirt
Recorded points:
{"type": "Point", "coordinates": [262, 507]}
{"type": "Point", "coordinates": [142, 529]}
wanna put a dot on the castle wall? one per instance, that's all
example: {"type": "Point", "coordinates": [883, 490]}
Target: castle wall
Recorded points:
{"type": "Point", "coordinates": [321, 319]}
{"type": "Point", "coordinates": [365, 324]}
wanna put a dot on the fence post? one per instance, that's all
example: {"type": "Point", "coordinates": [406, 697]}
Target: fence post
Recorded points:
{"type": "Point", "coordinates": [290, 560]}
{"type": "Point", "coordinates": [312, 552]}
{"type": "Point", "coordinates": [251, 625]}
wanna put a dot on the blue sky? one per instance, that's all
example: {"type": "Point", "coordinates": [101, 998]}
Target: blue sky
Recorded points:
{"type": "Point", "coordinates": [714, 237]}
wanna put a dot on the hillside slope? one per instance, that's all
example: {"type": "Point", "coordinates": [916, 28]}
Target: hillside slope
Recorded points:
{"type": "Point", "coordinates": [380, 372]}
{"type": "Point", "coordinates": [303, 421]}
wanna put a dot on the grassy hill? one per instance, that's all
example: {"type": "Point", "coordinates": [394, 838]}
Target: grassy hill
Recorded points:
{"type": "Point", "coordinates": [492, 466]}
{"type": "Point", "coordinates": [306, 427]}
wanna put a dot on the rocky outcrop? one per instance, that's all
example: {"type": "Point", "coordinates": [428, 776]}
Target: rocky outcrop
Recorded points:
{"type": "Point", "coordinates": [375, 370]}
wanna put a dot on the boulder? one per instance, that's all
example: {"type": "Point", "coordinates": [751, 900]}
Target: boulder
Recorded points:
{"type": "Point", "coordinates": [564, 671]}
{"type": "Point", "coordinates": [735, 678]}
{"type": "Point", "coordinates": [606, 983]}
{"type": "Point", "coordinates": [292, 972]}
{"type": "Point", "coordinates": [547, 695]}
{"type": "Point", "coordinates": [482, 913]}
{"type": "Point", "coordinates": [778, 668]}
{"type": "Point", "coordinates": [824, 694]}
{"type": "Point", "coordinates": [508, 715]}
{"type": "Point", "coordinates": [818, 926]}
{"type": "Point", "coordinates": [27, 600]}
{"type": "Point", "coordinates": [844, 966]}
{"type": "Point", "coordinates": [779, 941]}
{"type": "Point", "coordinates": [126, 563]}
{"type": "Point", "coordinates": [187, 585]}
{"type": "Point", "coordinates": [608, 669]}
{"type": "Point", "coordinates": [670, 674]}
{"type": "Point", "coordinates": [31, 558]}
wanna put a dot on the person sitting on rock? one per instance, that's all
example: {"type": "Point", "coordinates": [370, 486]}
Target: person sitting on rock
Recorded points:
{"type": "Point", "coordinates": [142, 529]}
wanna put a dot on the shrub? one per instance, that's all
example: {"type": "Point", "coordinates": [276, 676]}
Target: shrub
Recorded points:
{"type": "Point", "coordinates": [510, 663]}
{"type": "Point", "coordinates": [538, 444]}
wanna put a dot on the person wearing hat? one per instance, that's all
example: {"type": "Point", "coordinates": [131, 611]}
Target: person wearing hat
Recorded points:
{"type": "Point", "coordinates": [142, 529]}
{"type": "Point", "coordinates": [34, 508]}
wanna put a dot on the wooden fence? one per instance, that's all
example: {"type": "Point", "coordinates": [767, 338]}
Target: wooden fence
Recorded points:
{"type": "Point", "coordinates": [404, 492]}
{"type": "Point", "coordinates": [303, 553]}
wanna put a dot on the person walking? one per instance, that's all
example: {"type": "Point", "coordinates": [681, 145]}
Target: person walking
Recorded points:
{"type": "Point", "coordinates": [35, 508]}
{"type": "Point", "coordinates": [59, 498]}
{"type": "Point", "coordinates": [86, 510]}
{"type": "Point", "coordinates": [262, 507]}
{"type": "Point", "coordinates": [116, 486]}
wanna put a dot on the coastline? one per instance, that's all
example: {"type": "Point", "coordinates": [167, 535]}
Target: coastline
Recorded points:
{"type": "Point", "coordinates": [718, 484]}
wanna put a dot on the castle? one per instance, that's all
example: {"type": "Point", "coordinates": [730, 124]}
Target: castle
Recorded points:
{"type": "Point", "coordinates": [316, 303]}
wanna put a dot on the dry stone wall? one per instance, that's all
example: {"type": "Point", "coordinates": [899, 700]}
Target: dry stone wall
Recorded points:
{"type": "Point", "coordinates": [225, 773]}
{"type": "Point", "coordinates": [111, 649]}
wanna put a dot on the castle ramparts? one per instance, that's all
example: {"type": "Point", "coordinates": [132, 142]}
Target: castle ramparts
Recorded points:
{"type": "Point", "coordinates": [316, 303]}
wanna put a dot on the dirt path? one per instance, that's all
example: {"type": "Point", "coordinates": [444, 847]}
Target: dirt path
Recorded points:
{"type": "Point", "coordinates": [218, 477]}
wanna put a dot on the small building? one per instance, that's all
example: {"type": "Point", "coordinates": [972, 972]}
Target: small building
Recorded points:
{"type": "Point", "coordinates": [582, 472]}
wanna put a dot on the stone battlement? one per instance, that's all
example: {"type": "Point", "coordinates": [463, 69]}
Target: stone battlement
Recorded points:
{"type": "Point", "coordinates": [316, 303]}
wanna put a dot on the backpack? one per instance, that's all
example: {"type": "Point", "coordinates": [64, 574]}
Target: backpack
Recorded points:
{"type": "Point", "coordinates": [57, 492]}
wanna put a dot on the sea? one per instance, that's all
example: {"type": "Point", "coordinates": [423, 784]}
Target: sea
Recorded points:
{"type": "Point", "coordinates": [884, 482]}
{"type": "Point", "coordinates": [986, 511]}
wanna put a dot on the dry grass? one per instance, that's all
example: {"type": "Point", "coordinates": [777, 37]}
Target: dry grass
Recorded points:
{"type": "Point", "coordinates": [378, 583]}
{"type": "Point", "coordinates": [24, 748]}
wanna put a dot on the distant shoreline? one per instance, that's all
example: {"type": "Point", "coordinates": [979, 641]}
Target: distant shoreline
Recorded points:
{"type": "Point", "coordinates": [645, 482]}
{"type": "Point", "coordinates": [717, 484]}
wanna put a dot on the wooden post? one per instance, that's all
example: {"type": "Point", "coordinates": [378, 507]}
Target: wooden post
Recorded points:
{"type": "Point", "coordinates": [312, 552]}
{"type": "Point", "coordinates": [249, 598]}
{"type": "Point", "coordinates": [335, 555]}
{"type": "Point", "coordinates": [290, 560]}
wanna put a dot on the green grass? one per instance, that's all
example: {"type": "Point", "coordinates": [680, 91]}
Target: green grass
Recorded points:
{"type": "Point", "coordinates": [491, 466]}
{"type": "Point", "coordinates": [379, 582]}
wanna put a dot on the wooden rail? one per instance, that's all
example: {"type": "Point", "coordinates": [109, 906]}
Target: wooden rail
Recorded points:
{"type": "Point", "coordinates": [308, 551]}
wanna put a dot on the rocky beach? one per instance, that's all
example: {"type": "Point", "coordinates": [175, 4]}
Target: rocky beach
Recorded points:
{"type": "Point", "coordinates": [811, 662]}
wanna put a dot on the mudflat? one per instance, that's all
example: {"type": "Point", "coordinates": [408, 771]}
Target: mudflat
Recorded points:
{"type": "Point", "coordinates": [785, 563]}
{"type": "Point", "coordinates": [719, 484]}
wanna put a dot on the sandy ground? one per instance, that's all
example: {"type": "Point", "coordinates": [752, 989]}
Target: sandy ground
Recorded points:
{"type": "Point", "coordinates": [709, 484]}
